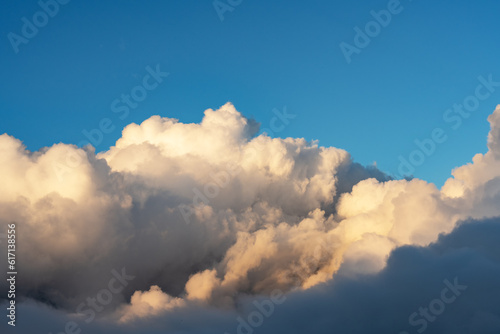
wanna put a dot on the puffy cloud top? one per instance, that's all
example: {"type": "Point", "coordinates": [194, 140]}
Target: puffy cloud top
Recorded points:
{"type": "Point", "coordinates": [206, 215]}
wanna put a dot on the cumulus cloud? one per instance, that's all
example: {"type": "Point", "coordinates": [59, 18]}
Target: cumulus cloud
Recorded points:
{"type": "Point", "coordinates": [207, 217]}
{"type": "Point", "coordinates": [148, 304]}
{"type": "Point", "coordinates": [380, 302]}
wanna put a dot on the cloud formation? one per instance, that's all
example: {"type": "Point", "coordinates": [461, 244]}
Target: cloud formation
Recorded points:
{"type": "Point", "coordinates": [209, 217]}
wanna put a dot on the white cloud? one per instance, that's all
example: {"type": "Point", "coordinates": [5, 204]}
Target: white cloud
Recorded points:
{"type": "Point", "coordinates": [148, 304]}
{"type": "Point", "coordinates": [293, 214]}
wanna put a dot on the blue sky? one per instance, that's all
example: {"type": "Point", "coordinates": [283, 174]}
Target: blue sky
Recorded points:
{"type": "Point", "coordinates": [263, 55]}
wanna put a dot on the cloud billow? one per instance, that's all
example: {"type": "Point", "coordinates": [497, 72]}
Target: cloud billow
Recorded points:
{"type": "Point", "coordinates": [342, 241]}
